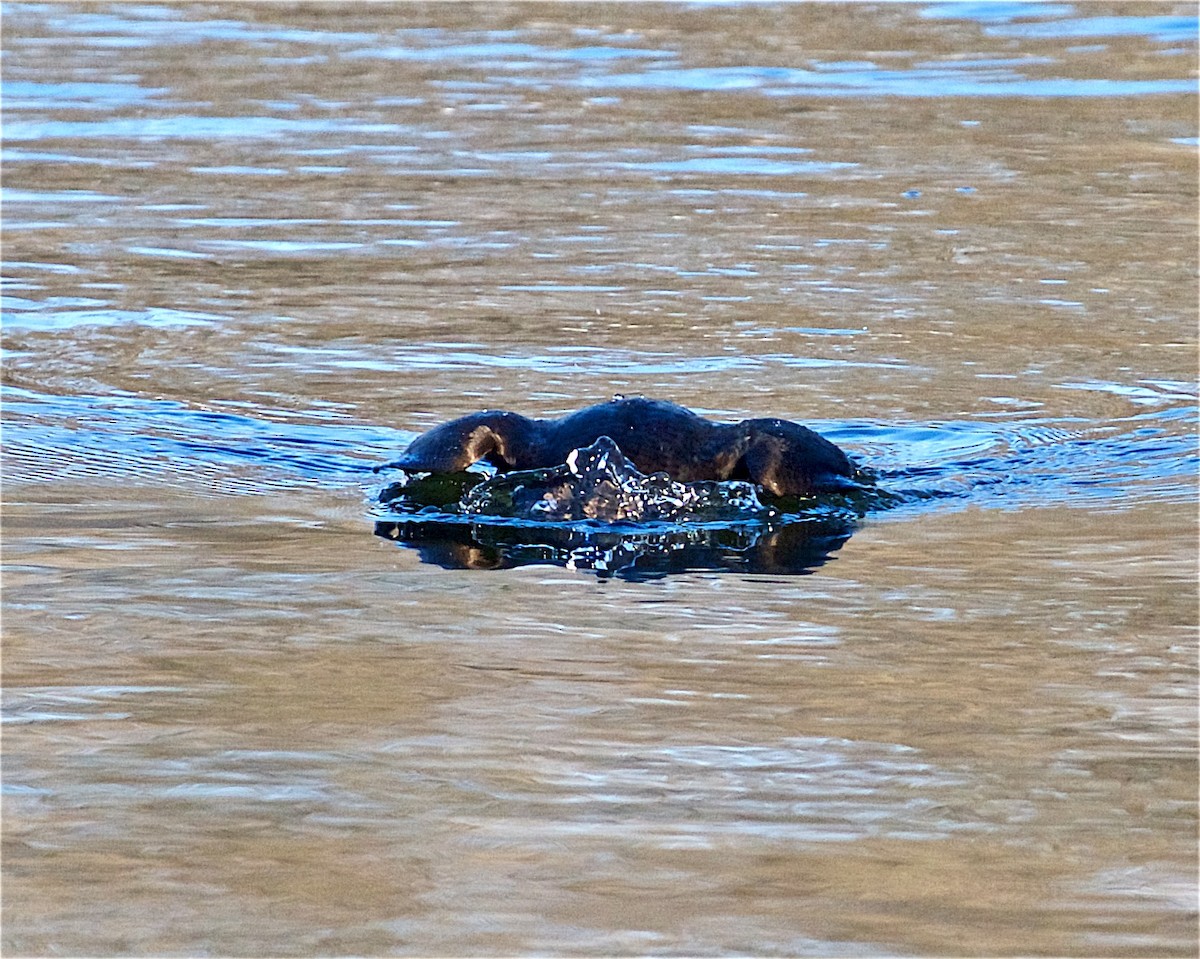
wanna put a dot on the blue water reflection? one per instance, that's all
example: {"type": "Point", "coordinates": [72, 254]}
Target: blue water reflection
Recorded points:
{"type": "Point", "coordinates": [1162, 29]}
{"type": "Point", "coordinates": [496, 54]}
{"type": "Point", "coordinates": [998, 12]}
{"type": "Point", "coordinates": [495, 59]}
{"type": "Point", "coordinates": [183, 127]}
{"type": "Point", "coordinates": [949, 79]}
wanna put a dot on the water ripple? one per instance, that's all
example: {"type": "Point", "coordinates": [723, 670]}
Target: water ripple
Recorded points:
{"type": "Point", "coordinates": [53, 439]}
{"type": "Point", "coordinates": [946, 79]}
{"type": "Point", "coordinates": [1150, 456]}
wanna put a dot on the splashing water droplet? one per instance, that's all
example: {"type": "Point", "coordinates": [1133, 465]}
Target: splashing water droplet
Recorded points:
{"type": "Point", "coordinates": [598, 483]}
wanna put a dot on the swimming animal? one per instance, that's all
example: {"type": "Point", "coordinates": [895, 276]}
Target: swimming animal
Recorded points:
{"type": "Point", "coordinates": [784, 458]}
{"type": "Point", "coordinates": [598, 482]}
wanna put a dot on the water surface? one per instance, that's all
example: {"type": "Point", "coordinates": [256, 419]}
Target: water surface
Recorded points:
{"type": "Point", "coordinates": [250, 251]}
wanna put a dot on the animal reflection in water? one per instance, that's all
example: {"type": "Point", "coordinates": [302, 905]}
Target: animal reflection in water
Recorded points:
{"type": "Point", "coordinates": [594, 509]}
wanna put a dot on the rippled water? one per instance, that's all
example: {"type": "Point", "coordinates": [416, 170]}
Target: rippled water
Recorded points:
{"type": "Point", "coordinates": [250, 251]}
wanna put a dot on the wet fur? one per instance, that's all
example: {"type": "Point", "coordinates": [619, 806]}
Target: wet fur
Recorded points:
{"type": "Point", "coordinates": [783, 457]}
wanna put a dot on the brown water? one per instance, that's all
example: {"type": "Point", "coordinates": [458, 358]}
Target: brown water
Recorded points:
{"type": "Point", "coordinates": [250, 250]}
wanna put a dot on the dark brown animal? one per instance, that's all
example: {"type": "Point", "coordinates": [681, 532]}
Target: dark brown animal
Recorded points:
{"type": "Point", "coordinates": [783, 457]}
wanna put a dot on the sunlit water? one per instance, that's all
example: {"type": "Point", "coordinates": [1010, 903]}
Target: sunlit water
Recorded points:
{"type": "Point", "coordinates": [250, 252]}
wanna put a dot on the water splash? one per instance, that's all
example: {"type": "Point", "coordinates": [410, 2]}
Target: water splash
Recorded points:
{"type": "Point", "coordinates": [598, 512]}
{"type": "Point", "coordinates": [598, 482]}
